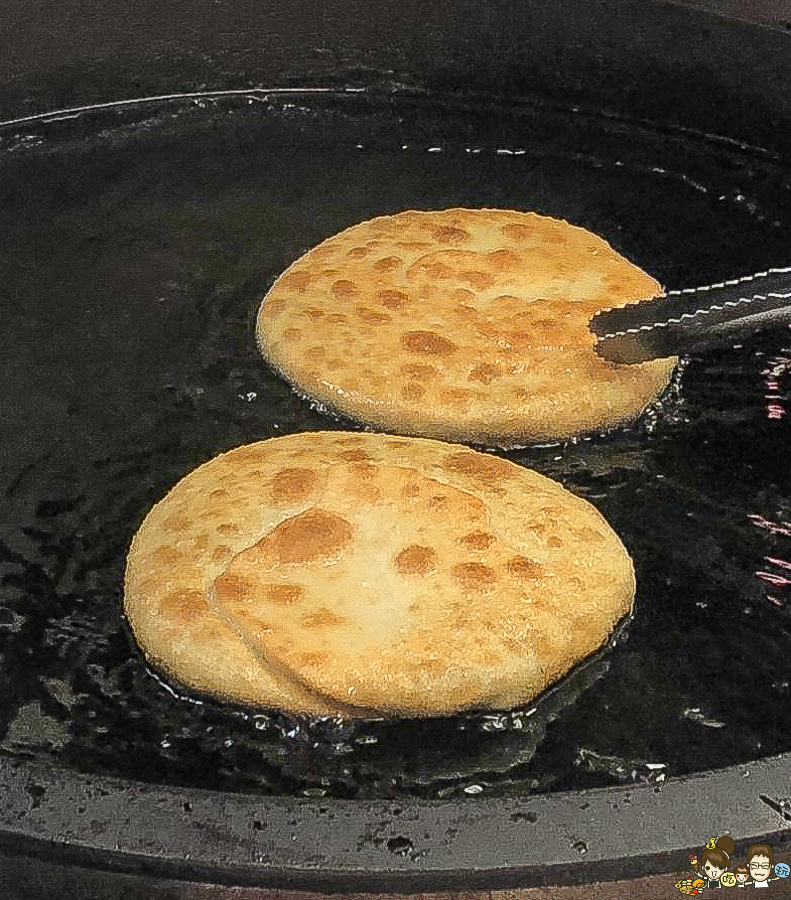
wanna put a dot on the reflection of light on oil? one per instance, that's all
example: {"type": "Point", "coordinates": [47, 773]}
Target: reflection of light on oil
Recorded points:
{"type": "Point", "coordinates": [777, 571]}
{"type": "Point", "coordinates": [776, 579]}
{"type": "Point", "coordinates": [772, 578]}
{"type": "Point", "coordinates": [777, 367]}
{"type": "Point", "coordinates": [771, 527]}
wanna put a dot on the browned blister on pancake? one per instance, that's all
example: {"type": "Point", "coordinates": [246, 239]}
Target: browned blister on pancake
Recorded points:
{"type": "Point", "coordinates": [461, 324]}
{"type": "Point", "coordinates": [364, 574]}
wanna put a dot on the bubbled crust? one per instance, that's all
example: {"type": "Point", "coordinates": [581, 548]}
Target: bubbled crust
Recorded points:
{"type": "Point", "coordinates": [462, 324]}
{"type": "Point", "coordinates": [364, 574]}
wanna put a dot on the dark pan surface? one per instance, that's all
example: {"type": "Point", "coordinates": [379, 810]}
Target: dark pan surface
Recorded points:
{"type": "Point", "coordinates": [137, 244]}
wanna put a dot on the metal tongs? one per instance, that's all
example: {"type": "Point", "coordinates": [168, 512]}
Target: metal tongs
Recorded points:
{"type": "Point", "coordinates": [693, 319]}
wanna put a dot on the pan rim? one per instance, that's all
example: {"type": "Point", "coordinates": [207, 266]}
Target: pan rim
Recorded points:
{"type": "Point", "coordinates": [392, 92]}
{"type": "Point", "coordinates": [574, 837]}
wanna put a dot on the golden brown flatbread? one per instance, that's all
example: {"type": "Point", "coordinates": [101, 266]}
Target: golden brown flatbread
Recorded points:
{"type": "Point", "coordinates": [365, 574]}
{"type": "Point", "coordinates": [463, 324]}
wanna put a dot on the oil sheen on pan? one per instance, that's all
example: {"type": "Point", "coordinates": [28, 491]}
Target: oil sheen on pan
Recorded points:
{"type": "Point", "coordinates": [139, 245]}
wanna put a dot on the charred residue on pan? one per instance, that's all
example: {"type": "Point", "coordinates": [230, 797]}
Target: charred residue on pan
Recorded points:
{"type": "Point", "coordinates": [139, 244]}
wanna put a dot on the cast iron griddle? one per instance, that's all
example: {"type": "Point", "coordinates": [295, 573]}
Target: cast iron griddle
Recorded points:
{"type": "Point", "coordinates": [138, 241]}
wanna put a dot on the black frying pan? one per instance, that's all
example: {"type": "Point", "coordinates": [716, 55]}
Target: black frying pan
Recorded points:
{"type": "Point", "coordinates": [138, 239]}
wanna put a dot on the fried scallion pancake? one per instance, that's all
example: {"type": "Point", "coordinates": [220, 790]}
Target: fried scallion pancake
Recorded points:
{"type": "Point", "coordinates": [463, 324]}
{"type": "Point", "coordinates": [350, 574]}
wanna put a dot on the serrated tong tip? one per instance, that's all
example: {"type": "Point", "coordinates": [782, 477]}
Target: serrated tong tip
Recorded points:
{"type": "Point", "coordinates": [693, 319]}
